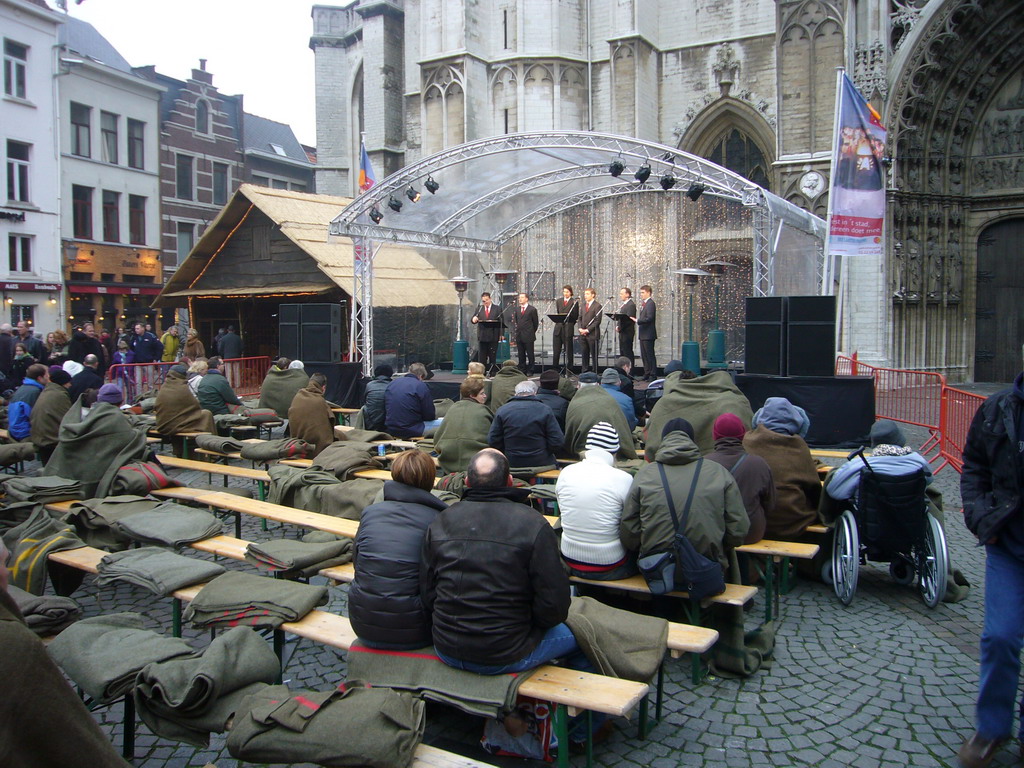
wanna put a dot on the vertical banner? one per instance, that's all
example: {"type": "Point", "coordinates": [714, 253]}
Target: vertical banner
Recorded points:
{"type": "Point", "coordinates": [857, 196]}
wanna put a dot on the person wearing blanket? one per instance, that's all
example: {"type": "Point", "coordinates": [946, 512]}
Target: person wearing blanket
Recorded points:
{"type": "Point", "coordinates": [43, 723]}
{"type": "Point", "coordinates": [493, 583]}
{"type": "Point", "coordinates": [384, 600]}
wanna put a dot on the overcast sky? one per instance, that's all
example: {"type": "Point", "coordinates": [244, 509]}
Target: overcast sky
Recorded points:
{"type": "Point", "coordinates": [259, 48]}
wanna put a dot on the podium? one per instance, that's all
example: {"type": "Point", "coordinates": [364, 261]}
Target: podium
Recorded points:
{"type": "Point", "coordinates": [566, 321]}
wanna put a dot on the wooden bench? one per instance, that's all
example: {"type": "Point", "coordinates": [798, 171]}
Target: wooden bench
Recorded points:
{"type": "Point", "coordinates": [777, 555]}
{"type": "Point", "coordinates": [571, 691]}
{"type": "Point", "coordinates": [185, 437]}
{"type": "Point", "coordinates": [343, 414]}
{"type": "Point", "coordinates": [261, 477]}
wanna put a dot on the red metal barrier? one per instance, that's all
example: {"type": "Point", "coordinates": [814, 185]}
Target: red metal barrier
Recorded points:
{"type": "Point", "coordinates": [910, 397]}
{"type": "Point", "coordinates": [245, 374]}
{"type": "Point", "coordinates": [958, 409]}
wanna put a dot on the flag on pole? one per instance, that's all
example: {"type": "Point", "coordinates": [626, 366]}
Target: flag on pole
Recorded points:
{"type": "Point", "coordinates": [857, 195]}
{"type": "Point", "coordinates": [366, 177]}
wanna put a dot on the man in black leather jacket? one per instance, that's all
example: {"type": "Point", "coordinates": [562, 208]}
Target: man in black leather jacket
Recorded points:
{"type": "Point", "coordinates": [492, 578]}
{"type": "Point", "coordinates": [992, 488]}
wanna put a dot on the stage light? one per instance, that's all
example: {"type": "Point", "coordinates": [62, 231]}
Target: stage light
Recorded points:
{"type": "Point", "coordinates": [616, 168]}
{"type": "Point", "coordinates": [643, 173]}
{"type": "Point", "coordinates": [412, 194]}
{"type": "Point", "coordinates": [376, 215]}
{"type": "Point", "coordinates": [668, 181]}
{"type": "Point", "coordinates": [431, 185]}
{"type": "Point", "coordinates": [695, 191]}
{"type": "Point", "coordinates": [395, 204]}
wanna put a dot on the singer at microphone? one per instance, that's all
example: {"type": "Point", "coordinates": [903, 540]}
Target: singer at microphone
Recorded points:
{"type": "Point", "coordinates": [625, 327]}
{"type": "Point", "coordinates": [590, 329]}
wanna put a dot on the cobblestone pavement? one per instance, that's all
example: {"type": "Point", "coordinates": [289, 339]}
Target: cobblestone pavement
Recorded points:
{"type": "Point", "coordinates": [884, 682]}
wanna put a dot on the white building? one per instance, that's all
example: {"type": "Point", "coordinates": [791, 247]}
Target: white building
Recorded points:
{"type": "Point", "coordinates": [110, 179]}
{"type": "Point", "coordinates": [30, 198]}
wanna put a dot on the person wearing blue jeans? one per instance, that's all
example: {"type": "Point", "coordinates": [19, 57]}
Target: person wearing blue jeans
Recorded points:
{"type": "Point", "coordinates": [492, 580]}
{"type": "Point", "coordinates": [992, 488]}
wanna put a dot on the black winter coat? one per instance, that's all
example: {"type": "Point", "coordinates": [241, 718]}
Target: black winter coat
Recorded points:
{"type": "Point", "coordinates": [384, 599]}
{"type": "Point", "coordinates": [373, 410]}
{"type": "Point", "coordinates": [492, 577]}
{"type": "Point", "coordinates": [526, 431]}
{"type": "Point", "coordinates": [558, 404]}
{"type": "Point", "coordinates": [991, 482]}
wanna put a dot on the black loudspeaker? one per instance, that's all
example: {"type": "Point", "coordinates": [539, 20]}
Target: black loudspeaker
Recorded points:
{"type": "Point", "coordinates": [811, 336]}
{"type": "Point", "coordinates": [765, 338]}
{"type": "Point", "coordinates": [310, 332]}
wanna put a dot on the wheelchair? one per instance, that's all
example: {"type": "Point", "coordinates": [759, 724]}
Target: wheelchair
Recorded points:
{"type": "Point", "coordinates": [888, 521]}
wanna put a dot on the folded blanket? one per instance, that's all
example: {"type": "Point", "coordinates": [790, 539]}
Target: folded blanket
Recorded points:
{"type": "Point", "coordinates": [268, 450]}
{"type": "Point", "coordinates": [12, 453]}
{"type": "Point", "coordinates": [341, 460]}
{"type": "Point", "coordinates": [187, 698]}
{"type": "Point", "coordinates": [285, 483]}
{"type": "Point", "coordinates": [141, 477]}
{"type": "Point", "coordinates": [424, 674]}
{"type": "Point", "coordinates": [225, 421]}
{"type": "Point", "coordinates": [290, 558]}
{"type": "Point", "coordinates": [241, 599]}
{"type": "Point", "coordinates": [170, 525]}
{"type": "Point", "coordinates": [94, 519]}
{"type": "Point", "coordinates": [364, 436]}
{"type": "Point", "coordinates": [158, 570]}
{"type": "Point", "coordinates": [218, 444]}
{"type": "Point", "coordinates": [352, 725]}
{"type": "Point", "coordinates": [45, 614]}
{"type": "Point", "coordinates": [44, 490]}
{"type": "Point", "coordinates": [347, 500]}
{"type": "Point", "coordinates": [618, 643]}
{"type": "Point", "coordinates": [103, 654]}
{"type": "Point", "coordinates": [38, 537]}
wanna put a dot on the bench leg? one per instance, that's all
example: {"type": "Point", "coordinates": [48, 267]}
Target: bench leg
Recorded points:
{"type": "Point", "coordinates": [785, 581]}
{"type": "Point", "coordinates": [128, 746]}
{"type": "Point", "coordinates": [279, 651]}
{"type": "Point", "coordinates": [238, 525]}
{"type": "Point", "coordinates": [176, 617]}
{"type": "Point", "coordinates": [769, 591]}
{"type": "Point", "coordinates": [262, 490]}
{"type": "Point", "coordinates": [562, 734]}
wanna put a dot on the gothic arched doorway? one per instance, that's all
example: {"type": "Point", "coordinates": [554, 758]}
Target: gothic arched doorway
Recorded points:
{"type": "Point", "coordinates": [999, 330]}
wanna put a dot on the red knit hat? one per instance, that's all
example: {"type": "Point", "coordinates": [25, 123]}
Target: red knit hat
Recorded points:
{"type": "Point", "coordinates": [728, 425]}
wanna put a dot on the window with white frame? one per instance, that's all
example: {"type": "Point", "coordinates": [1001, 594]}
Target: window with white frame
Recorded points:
{"type": "Point", "coordinates": [19, 253]}
{"type": "Point", "coordinates": [15, 66]}
{"type": "Point", "coordinates": [136, 144]}
{"type": "Point", "coordinates": [111, 216]}
{"type": "Point", "coordinates": [18, 156]}
{"type": "Point", "coordinates": [26, 312]}
{"type": "Point", "coordinates": [186, 239]}
{"type": "Point", "coordinates": [183, 177]}
{"type": "Point", "coordinates": [137, 219]}
{"type": "Point", "coordinates": [221, 177]}
{"type": "Point", "coordinates": [81, 124]}
{"type": "Point", "coordinates": [108, 129]}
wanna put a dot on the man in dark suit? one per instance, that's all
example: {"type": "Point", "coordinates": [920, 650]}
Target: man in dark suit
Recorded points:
{"type": "Point", "coordinates": [590, 328]}
{"type": "Point", "coordinates": [525, 322]}
{"type": "Point", "coordinates": [626, 327]}
{"type": "Point", "coordinates": [569, 306]}
{"type": "Point", "coordinates": [487, 335]}
{"type": "Point", "coordinates": [646, 322]}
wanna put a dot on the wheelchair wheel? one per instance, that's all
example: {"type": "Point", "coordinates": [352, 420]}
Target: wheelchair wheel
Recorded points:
{"type": "Point", "coordinates": [901, 571]}
{"type": "Point", "coordinates": [845, 558]}
{"type": "Point", "coordinates": [933, 564]}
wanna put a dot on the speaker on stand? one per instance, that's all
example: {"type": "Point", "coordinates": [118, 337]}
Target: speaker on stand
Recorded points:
{"type": "Point", "coordinates": [310, 332]}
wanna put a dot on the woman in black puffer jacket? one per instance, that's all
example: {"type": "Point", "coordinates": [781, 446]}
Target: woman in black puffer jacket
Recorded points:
{"type": "Point", "coordinates": [384, 599]}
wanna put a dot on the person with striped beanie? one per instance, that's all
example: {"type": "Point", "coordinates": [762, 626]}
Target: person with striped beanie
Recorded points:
{"type": "Point", "coordinates": [591, 494]}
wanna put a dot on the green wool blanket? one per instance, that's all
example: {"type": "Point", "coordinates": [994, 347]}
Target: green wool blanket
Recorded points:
{"type": "Point", "coordinates": [618, 643]}
{"type": "Point", "coordinates": [242, 599]}
{"type": "Point", "coordinates": [591, 405]}
{"type": "Point", "coordinates": [700, 401]}
{"type": "Point", "coordinates": [169, 525]}
{"type": "Point", "coordinates": [288, 558]}
{"type": "Point", "coordinates": [156, 569]}
{"type": "Point", "coordinates": [45, 614]}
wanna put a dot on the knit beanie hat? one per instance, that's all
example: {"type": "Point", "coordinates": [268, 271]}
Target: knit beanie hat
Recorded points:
{"type": "Point", "coordinates": [110, 393]}
{"type": "Point", "coordinates": [589, 378]}
{"type": "Point", "coordinates": [678, 425]}
{"type": "Point", "coordinates": [54, 369]}
{"type": "Point", "coordinates": [549, 379]}
{"type": "Point", "coordinates": [604, 437]}
{"type": "Point", "coordinates": [728, 425]}
{"type": "Point", "coordinates": [887, 432]}
{"type": "Point", "coordinates": [673, 366]}
{"type": "Point", "coordinates": [609, 377]}
{"type": "Point", "coordinates": [179, 368]}
{"type": "Point", "coordinates": [61, 377]}
{"type": "Point", "coordinates": [73, 367]}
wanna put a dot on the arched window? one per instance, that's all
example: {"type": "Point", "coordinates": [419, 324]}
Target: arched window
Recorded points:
{"type": "Point", "coordinates": [740, 154]}
{"type": "Point", "coordinates": [202, 117]}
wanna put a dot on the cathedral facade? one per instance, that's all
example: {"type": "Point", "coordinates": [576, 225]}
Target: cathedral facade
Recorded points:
{"type": "Point", "coordinates": [749, 84]}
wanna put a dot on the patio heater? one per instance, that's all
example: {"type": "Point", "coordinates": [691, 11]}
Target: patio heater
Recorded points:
{"type": "Point", "coordinates": [460, 349]}
{"type": "Point", "coordinates": [501, 276]}
{"type": "Point", "coordinates": [716, 337]}
{"type": "Point", "coordinates": [690, 355]}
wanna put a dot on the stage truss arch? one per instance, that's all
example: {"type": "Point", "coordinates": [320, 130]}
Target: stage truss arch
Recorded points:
{"type": "Point", "coordinates": [495, 188]}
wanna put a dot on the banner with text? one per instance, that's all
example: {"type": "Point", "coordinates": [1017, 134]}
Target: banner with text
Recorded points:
{"type": "Point", "coordinates": [858, 181]}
